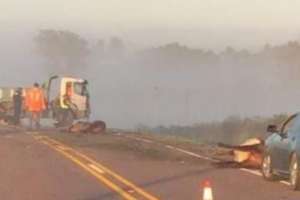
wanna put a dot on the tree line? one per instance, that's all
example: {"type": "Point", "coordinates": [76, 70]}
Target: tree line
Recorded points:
{"type": "Point", "coordinates": [232, 130]}
{"type": "Point", "coordinates": [65, 49]}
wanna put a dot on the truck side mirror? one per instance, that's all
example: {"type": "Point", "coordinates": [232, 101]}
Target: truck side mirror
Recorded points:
{"type": "Point", "coordinates": [272, 128]}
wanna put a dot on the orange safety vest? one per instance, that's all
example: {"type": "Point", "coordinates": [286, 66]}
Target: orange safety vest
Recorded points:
{"type": "Point", "coordinates": [35, 100]}
{"type": "Point", "coordinates": [69, 92]}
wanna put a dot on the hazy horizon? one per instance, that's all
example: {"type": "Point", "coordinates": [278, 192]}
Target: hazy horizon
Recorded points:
{"type": "Point", "coordinates": [209, 24]}
{"type": "Point", "coordinates": [130, 92]}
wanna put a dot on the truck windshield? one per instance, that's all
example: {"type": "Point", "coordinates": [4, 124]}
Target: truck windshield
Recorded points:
{"type": "Point", "coordinates": [80, 89]}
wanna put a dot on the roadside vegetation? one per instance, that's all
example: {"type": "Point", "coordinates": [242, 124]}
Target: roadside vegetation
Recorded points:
{"type": "Point", "coordinates": [232, 130]}
{"type": "Point", "coordinates": [199, 138]}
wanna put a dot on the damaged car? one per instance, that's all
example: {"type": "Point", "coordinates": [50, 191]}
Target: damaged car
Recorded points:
{"type": "Point", "coordinates": [281, 158]}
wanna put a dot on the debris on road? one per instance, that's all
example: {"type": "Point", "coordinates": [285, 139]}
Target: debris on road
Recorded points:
{"type": "Point", "coordinates": [4, 118]}
{"type": "Point", "coordinates": [3, 122]}
{"type": "Point", "coordinates": [247, 155]}
{"type": "Point", "coordinates": [95, 127]}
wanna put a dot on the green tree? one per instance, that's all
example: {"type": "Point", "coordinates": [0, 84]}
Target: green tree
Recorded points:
{"type": "Point", "coordinates": [63, 50]}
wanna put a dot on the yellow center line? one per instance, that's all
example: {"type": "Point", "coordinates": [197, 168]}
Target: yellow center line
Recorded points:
{"type": "Point", "coordinates": [115, 175]}
{"type": "Point", "coordinates": [61, 147]}
{"type": "Point", "coordinates": [104, 180]}
{"type": "Point", "coordinates": [96, 168]}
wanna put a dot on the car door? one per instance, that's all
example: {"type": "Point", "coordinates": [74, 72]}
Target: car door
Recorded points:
{"type": "Point", "coordinates": [286, 142]}
{"type": "Point", "coordinates": [273, 149]}
{"type": "Point", "coordinates": [289, 143]}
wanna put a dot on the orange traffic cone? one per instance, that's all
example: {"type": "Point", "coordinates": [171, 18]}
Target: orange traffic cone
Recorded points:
{"type": "Point", "coordinates": [207, 191]}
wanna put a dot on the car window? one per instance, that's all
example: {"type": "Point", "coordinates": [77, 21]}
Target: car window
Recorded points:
{"type": "Point", "coordinates": [289, 123]}
{"type": "Point", "coordinates": [295, 125]}
{"type": "Point", "coordinates": [80, 89]}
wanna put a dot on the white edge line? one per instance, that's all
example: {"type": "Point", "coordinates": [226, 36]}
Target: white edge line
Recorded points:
{"type": "Point", "coordinates": [195, 155]}
{"type": "Point", "coordinates": [140, 139]}
{"type": "Point", "coordinates": [285, 182]}
{"type": "Point", "coordinates": [169, 147]}
{"type": "Point", "coordinates": [254, 172]}
{"type": "Point", "coordinates": [176, 148]}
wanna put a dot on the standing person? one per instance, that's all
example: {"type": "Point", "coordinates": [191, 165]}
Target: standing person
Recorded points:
{"type": "Point", "coordinates": [18, 101]}
{"type": "Point", "coordinates": [35, 104]}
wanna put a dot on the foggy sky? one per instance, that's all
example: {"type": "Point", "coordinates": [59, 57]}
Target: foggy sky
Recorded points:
{"type": "Point", "coordinates": [201, 23]}
{"type": "Point", "coordinates": [125, 94]}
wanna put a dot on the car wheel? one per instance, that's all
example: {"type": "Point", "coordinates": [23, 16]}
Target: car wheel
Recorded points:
{"type": "Point", "coordinates": [294, 173]}
{"type": "Point", "coordinates": [266, 168]}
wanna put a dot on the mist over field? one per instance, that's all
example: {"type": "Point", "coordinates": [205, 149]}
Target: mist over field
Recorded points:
{"type": "Point", "coordinates": [169, 84]}
{"type": "Point", "coordinates": [166, 63]}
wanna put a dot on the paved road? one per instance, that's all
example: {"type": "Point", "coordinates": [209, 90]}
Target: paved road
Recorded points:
{"type": "Point", "coordinates": [31, 169]}
{"type": "Point", "coordinates": [179, 181]}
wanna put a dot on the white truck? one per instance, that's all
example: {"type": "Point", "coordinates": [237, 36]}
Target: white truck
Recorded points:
{"type": "Point", "coordinates": [62, 107]}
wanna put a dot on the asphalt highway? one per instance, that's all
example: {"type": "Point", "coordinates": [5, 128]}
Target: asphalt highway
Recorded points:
{"type": "Point", "coordinates": [36, 166]}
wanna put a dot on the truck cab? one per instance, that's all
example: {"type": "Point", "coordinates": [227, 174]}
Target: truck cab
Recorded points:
{"type": "Point", "coordinates": [68, 99]}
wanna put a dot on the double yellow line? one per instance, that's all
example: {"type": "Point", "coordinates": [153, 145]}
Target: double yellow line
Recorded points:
{"type": "Point", "coordinates": [102, 173]}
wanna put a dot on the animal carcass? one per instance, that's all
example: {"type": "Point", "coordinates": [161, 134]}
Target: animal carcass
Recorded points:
{"type": "Point", "coordinates": [88, 127]}
{"type": "Point", "coordinates": [248, 154]}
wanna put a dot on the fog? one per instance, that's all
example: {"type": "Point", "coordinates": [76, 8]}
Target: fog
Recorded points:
{"type": "Point", "coordinates": [130, 90]}
{"type": "Point", "coordinates": [151, 83]}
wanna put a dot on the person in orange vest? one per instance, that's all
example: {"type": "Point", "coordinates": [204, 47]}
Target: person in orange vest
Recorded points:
{"type": "Point", "coordinates": [69, 91]}
{"type": "Point", "coordinates": [68, 95]}
{"type": "Point", "coordinates": [35, 104]}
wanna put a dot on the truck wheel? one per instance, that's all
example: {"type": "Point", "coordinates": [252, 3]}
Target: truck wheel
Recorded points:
{"type": "Point", "coordinates": [266, 168]}
{"type": "Point", "coordinates": [64, 118]}
{"type": "Point", "coordinates": [294, 173]}
{"type": "Point", "coordinates": [68, 118]}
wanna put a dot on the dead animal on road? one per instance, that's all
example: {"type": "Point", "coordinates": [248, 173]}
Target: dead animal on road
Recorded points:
{"type": "Point", "coordinates": [3, 122]}
{"type": "Point", "coordinates": [247, 155]}
{"type": "Point", "coordinates": [95, 127]}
